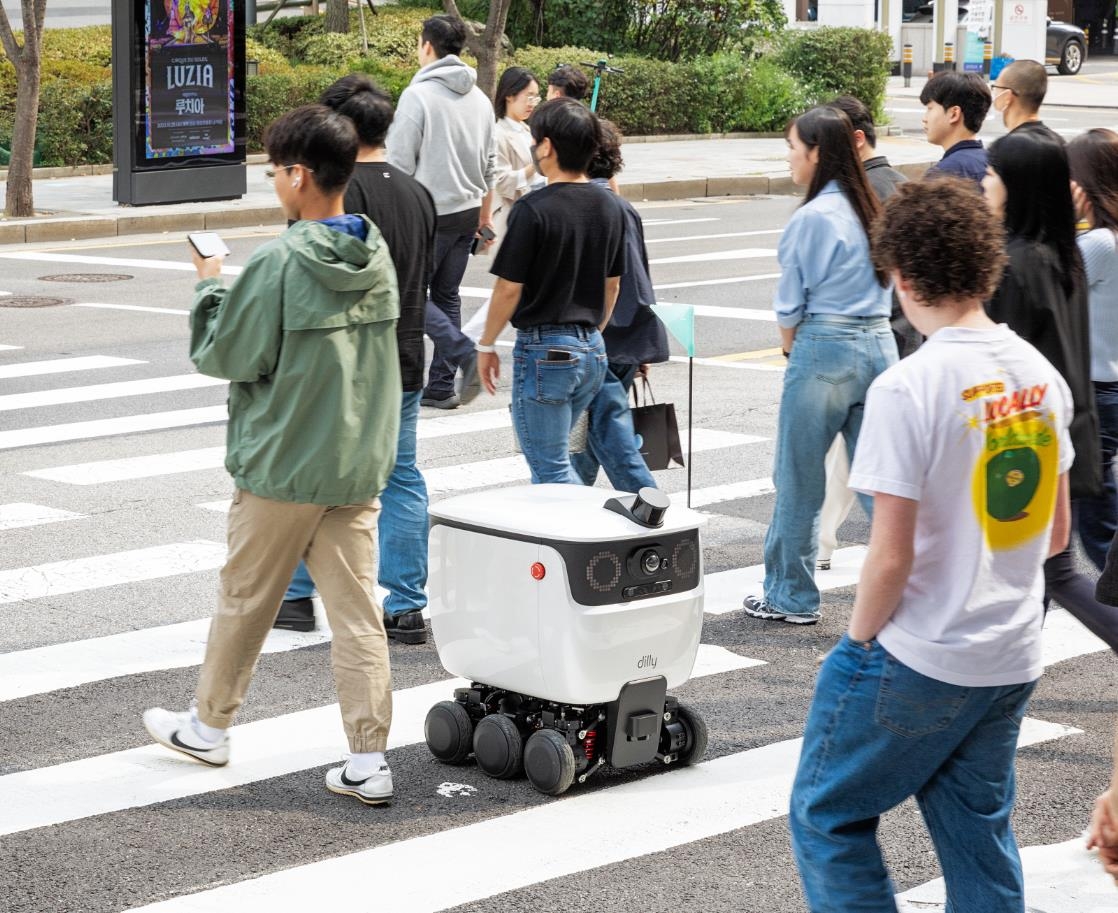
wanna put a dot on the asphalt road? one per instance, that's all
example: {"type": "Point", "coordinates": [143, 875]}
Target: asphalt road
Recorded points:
{"type": "Point", "coordinates": [94, 820]}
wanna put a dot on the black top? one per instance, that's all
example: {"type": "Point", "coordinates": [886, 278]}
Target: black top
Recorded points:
{"type": "Point", "coordinates": [1032, 301]}
{"type": "Point", "coordinates": [1037, 126]}
{"type": "Point", "coordinates": [883, 177]}
{"type": "Point", "coordinates": [562, 242]}
{"type": "Point", "coordinates": [634, 336]}
{"type": "Point", "coordinates": [403, 211]}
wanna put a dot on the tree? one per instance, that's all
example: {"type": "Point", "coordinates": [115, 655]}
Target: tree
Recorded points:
{"type": "Point", "coordinates": [484, 43]}
{"type": "Point", "coordinates": [337, 16]}
{"type": "Point", "coordinates": [26, 59]}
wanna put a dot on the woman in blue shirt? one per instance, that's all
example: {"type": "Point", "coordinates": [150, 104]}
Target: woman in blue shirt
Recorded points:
{"type": "Point", "coordinates": [833, 309]}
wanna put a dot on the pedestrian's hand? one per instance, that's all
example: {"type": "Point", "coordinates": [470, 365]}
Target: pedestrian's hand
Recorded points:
{"type": "Point", "coordinates": [489, 370]}
{"type": "Point", "coordinates": [1103, 833]}
{"type": "Point", "coordinates": [487, 233]}
{"type": "Point", "coordinates": [207, 267]}
{"type": "Point", "coordinates": [642, 371]}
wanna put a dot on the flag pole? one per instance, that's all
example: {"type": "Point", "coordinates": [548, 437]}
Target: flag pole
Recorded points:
{"type": "Point", "coordinates": [690, 411]}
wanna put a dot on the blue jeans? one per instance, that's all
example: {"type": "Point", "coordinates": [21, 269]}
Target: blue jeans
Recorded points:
{"type": "Point", "coordinates": [610, 441]}
{"type": "Point", "coordinates": [833, 362]}
{"type": "Point", "coordinates": [443, 317]}
{"type": "Point", "coordinates": [402, 530]}
{"type": "Point", "coordinates": [549, 395]}
{"type": "Point", "coordinates": [1097, 516]}
{"type": "Point", "coordinates": [879, 732]}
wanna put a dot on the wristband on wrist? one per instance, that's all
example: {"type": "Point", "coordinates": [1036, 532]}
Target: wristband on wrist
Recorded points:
{"type": "Point", "coordinates": [479, 347]}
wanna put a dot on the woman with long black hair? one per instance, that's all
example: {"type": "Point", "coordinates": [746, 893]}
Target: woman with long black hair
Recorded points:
{"type": "Point", "coordinates": [1043, 298]}
{"type": "Point", "coordinates": [833, 310]}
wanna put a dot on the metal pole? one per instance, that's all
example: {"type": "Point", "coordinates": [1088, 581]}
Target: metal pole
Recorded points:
{"type": "Point", "coordinates": [690, 422]}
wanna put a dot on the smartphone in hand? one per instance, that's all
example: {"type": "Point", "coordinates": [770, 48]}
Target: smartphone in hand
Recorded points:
{"type": "Point", "coordinates": [208, 244]}
{"type": "Point", "coordinates": [484, 235]}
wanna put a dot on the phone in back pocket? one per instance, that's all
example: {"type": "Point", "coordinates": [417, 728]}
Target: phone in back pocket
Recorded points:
{"type": "Point", "coordinates": [559, 355]}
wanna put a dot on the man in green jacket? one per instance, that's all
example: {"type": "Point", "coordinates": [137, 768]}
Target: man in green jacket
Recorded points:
{"type": "Point", "coordinates": [307, 336]}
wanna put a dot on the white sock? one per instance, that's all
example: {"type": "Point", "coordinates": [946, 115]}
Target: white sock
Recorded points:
{"type": "Point", "coordinates": [363, 765]}
{"type": "Point", "coordinates": [207, 734]}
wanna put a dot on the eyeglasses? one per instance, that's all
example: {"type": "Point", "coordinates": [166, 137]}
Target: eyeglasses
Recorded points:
{"type": "Point", "coordinates": [270, 173]}
{"type": "Point", "coordinates": [1004, 88]}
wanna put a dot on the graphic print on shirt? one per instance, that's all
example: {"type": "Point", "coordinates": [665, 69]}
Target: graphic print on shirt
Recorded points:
{"type": "Point", "coordinates": [1014, 482]}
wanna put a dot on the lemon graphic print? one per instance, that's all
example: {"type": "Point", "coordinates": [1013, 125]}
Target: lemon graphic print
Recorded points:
{"type": "Point", "coordinates": [1014, 483]}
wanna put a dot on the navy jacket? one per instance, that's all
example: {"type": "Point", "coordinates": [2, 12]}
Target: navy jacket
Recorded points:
{"type": "Point", "coordinates": [966, 159]}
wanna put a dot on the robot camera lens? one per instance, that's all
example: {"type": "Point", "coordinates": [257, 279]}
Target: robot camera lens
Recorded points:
{"type": "Point", "coordinates": [650, 562]}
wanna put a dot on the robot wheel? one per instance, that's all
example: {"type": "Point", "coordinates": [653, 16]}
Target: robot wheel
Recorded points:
{"type": "Point", "coordinates": [449, 732]}
{"type": "Point", "coordinates": [499, 747]}
{"type": "Point", "coordinates": [549, 762]}
{"type": "Point", "coordinates": [683, 737]}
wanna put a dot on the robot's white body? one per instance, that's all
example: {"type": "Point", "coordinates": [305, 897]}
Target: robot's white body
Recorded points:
{"type": "Point", "coordinates": [570, 613]}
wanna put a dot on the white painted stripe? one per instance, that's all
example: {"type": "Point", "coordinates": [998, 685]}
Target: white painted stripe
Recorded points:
{"type": "Point", "coordinates": [584, 831]}
{"type": "Point", "coordinates": [132, 307]}
{"type": "Point", "coordinates": [141, 467]}
{"type": "Point", "coordinates": [1065, 638]}
{"type": "Point", "coordinates": [716, 494]}
{"type": "Point", "coordinates": [106, 391]}
{"type": "Point", "coordinates": [733, 365]}
{"type": "Point", "coordinates": [4, 348]}
{"type": "Point", "coordinates": [64, 365]}
{"type": "Point", "coordinates": [78, 575]}
{"type": "Point", "coordinates": [725, 590]}
{"type": "Point", "coordinates": [744, 253]}
{"type": "Point", "coordinates": [1059, 878]}
{"type": "Point", "coordinates": [106, 427]}
{"type": "Point", "coordinates": [678, 221]}
{"type": "Point", "coordinates": [16, 516]}
{"type": "Point", "coordinates": [710, 310]}
{"type": "Point", "coordinates": [259, 751]}
{"type": "Point", "coordinates": [732, 280]}
{"type": "Point", "coordinates": [5, 295]}
{"type": "Point", "coordinates": [728, 234]}
{"type": "Point", "coordinates": [464, 423]}
{"type": "Point", "coordinates": [184, 266]}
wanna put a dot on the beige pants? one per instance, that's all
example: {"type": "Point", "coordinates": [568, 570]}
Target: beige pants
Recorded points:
{"type": "Point", "coordinates": [838, 500]}
{"type": "Point", "coordinates": [266, 540]}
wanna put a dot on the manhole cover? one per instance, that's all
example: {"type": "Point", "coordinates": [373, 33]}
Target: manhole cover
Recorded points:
{"type": "Point", "coordinates": [31, 301]}
{"type": "Point", "coordinates": [86, 277]}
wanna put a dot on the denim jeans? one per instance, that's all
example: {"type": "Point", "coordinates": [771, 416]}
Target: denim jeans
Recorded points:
{"type": "Point", "coordinates": [833, 362]}
{"type": "Point", "coordinates": [443, 320]}
{"type": "Point", "coordinates": [549, 395]}
{"type": "Point", "coordinates": [611, 442]}
{"type": "Point", "coordinates": [879, 732]}
{"type": "Point", "coordinates": [402, 531]}
{"type": "Point", "coordinates": [1098, 516]}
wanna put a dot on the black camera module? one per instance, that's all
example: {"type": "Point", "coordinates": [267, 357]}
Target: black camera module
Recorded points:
{"type": "Point", "coordinates": [647, 561]}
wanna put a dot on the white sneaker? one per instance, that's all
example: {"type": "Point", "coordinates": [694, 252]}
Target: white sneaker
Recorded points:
{"type": "Point", "coordinates": [175, 731]}
{"type": "Point", "coordinates": [373, 790]}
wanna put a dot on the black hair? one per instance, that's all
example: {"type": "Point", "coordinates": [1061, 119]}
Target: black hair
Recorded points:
{"type": "Point", "coordinates": [318, 138]}
{"type": "Point", "coordinates": [967, 91]}
{"type": "Point", "coordinates": [573, 129]}
{"type": "Point", "coordinates": [829, 130]}
{"type": "Point", "coordinates": [1038, 206]}
{"type": "Point", "coordinates": [859, 114]}
{"type": "Point", "coordinates": [513, 81]}
{"type": "Point", "coordinates": [570, 80]}
{"type": "Point", "coordinates": [447, 34]}
{"type": "Point", "coordinates": [607, 161]}
{"type": "Point", "coordinates": [363, 102]}
{"type": "Point", "coordinates": [1093, 157]}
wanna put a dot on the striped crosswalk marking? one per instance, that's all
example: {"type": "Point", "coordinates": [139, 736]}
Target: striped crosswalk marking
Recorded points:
{"type": "Point", "coordinates": [583, 831]}
{"type": "Point", "coordinates": [114, 390]}
{"type": "Point", "coordinates": [108, 427]}
{"type": "Point", "coordinates": [18, 515]}
{"type": "Point", "coordinates": [7, 348]}
{"type": "Point", "coordinates": [64, 365]}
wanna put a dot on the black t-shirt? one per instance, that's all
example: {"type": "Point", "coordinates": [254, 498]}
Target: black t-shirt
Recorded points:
{"type": "Point", "coordinates": [403, 211]}
{"type": "Point", "coordinates": [562, 242]}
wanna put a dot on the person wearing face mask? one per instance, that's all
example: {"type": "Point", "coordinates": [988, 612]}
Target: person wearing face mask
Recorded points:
{"type": "Point", "coordinates": [1018, 94]}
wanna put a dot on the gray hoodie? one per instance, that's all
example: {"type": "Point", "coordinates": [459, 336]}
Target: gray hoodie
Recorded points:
{"type": "Point", "coordinates": [444, 135]}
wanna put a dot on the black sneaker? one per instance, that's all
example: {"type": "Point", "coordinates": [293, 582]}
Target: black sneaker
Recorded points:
{"type": "Point", "coordinates": [296, 615]}
{"type": "Point", "coordinates": [469, 384]}
{"type": "Point", "coordinates": [407, 627]}
{"type": "Point", "coordinates": [447, 402]}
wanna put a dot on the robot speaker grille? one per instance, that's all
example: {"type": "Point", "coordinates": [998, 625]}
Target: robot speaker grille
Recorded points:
{"type": "Point", "coordinates": [685, 558]}
{"type": "Point", "coordinates": [603, 572]}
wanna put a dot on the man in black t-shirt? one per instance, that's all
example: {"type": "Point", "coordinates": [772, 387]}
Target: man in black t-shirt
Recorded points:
{"type": "Point", "coordinates": [558, 274]}
{"type": "Point", "coordinates": [405, 214]}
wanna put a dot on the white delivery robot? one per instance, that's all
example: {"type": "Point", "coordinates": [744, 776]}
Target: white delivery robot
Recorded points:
{"type": "Point", "coordinates": [572, 611]}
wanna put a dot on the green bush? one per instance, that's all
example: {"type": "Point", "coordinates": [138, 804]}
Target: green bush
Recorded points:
{"type": "Point", "coordinates": [90, 44]}
{"type": "Point", "coordinates": [392, 35]}
{"type": "Point", "coordinates": [772, 97]}
{"type": "Point", "coordinates": [268, 59]}
{"type": "Point", "coordinates": [329, 49]}
{"type": "Point", "coordinates": [269, 96]}
{"type": "Point", "coordinates": [839, 61]}
{"type": "Point", "coordinates": [393, 79]}
{"type": "Point", "coordinates": [75, 123]}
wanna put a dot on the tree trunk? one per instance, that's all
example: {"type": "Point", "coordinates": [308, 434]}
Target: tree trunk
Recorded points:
{"type": "Point", "coordinates": [485, 43]}
{"type": "Point", "coordinates": [337, 16]}
{"type": "Point", "coordinates": [20, 201]}
{"type": "Point", "coordinates": [487, 67]}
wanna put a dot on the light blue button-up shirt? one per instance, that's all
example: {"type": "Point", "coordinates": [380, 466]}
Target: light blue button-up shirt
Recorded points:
{"type": "Point", "coordinates": [825, 264]}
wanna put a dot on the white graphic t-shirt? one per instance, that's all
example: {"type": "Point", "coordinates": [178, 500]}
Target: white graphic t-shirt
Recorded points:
{"type": "Point", "coordinates": [974, 426]}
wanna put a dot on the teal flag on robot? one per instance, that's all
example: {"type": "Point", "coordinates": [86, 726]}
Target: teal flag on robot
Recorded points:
{"type": "Point", "coordinates": [680, 322]}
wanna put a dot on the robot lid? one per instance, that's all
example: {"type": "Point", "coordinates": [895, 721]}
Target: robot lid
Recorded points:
{"type": "Point", "coordinates": [567, 513]}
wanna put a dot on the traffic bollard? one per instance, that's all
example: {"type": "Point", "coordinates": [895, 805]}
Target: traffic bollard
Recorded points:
{"type": "Point", "coordinates": [906, 65]}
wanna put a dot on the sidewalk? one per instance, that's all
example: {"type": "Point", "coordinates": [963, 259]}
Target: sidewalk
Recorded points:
{"type": "Point", "coordinates": [669, 169]}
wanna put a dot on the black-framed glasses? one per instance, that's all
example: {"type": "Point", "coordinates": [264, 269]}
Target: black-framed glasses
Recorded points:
{"type": "Point", "coordinates": [1003, 88]}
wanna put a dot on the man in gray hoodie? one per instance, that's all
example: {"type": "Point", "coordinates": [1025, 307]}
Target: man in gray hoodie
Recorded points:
{"type": "Point", "coordinates": [444, 135]}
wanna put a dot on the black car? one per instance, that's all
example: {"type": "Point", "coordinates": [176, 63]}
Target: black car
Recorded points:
{"type": "Point", "coordinates": [1065, 44]}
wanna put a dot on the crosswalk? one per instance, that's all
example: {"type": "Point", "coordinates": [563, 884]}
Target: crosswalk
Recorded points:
{"type": "Point", "coordinates": [111, 532]}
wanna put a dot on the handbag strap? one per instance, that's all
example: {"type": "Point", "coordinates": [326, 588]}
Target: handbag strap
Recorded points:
{"type": "Point", "coordinates": [648, 395]}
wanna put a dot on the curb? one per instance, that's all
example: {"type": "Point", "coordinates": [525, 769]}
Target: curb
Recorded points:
{"type": "Point", "coordinates": [134, 222]}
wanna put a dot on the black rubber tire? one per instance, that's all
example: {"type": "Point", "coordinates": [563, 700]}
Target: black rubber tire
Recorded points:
{"type": "Point", "coordinates": [549, 762]}
{"type": "Point", "coordinates": [449, 732]}
{"type": "Point", "coordinates": [696, 735]}
{"type": "Point", "coordinates": [1071, 64]}
{"type": "Point", "coordinates": [499, 747]}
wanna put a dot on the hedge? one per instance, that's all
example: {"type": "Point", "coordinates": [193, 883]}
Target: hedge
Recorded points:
{"type": "Point", "coordinates": [721, 93]}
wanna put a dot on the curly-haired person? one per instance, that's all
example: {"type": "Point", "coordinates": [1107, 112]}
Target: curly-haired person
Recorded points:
{"type": "Point", "coordinates": [965, 451]}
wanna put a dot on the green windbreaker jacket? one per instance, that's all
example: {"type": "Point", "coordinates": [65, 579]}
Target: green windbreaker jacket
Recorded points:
{"type": "Point", "coordinates": [307, 335]}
